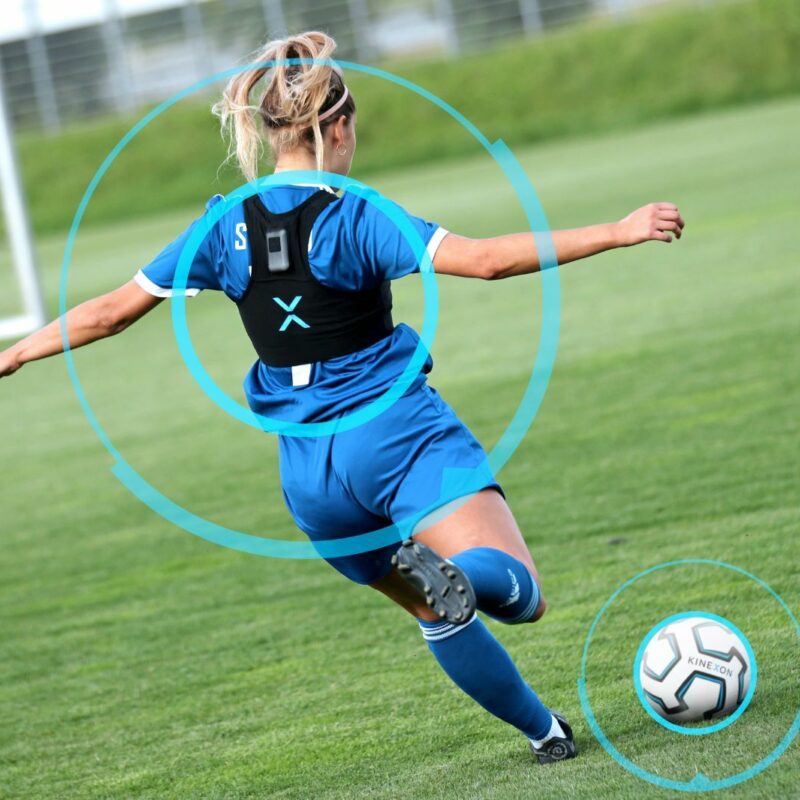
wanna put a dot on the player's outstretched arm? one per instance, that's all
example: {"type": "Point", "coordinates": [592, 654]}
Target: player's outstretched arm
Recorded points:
{"type": "Point", "coordinates": [516, 254]}
{"type": "Point", "coordinates": [95, 319]}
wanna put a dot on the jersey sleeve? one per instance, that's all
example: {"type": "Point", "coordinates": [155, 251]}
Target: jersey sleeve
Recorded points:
{"type": "Point", "coordinates": [204, 273]}
{"type": "Point", "coordinates": [364, 245]}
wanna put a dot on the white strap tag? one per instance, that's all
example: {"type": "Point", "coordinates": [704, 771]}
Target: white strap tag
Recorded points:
{"type": "Point", "coordinates": [301, 375]}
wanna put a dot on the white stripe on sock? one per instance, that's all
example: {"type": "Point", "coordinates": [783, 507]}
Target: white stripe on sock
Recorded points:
{"type": "Point", "coordinates": [437, 632]}
{"type": "Point", "coordinates": [436, 627]}
{"type": "Point", "coordinates": [437, 635]}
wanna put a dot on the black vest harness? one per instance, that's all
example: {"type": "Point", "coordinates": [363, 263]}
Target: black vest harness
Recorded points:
{"type": "Point", "coordinates": [290, 317]}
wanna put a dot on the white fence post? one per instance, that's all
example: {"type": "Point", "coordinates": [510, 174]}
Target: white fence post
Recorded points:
{"type": "Point", "coordinates": [114, 42]}
{"type": "Point", "coordinates": [274, 18]}
{"type": "Point", "coordinates": [531, 16]}
{"type": "Point", "coordinates": [619, 8]}
{"type": "Point", "coordinates": [359, 18]}
{"type": "Point", "coordinates": [445, 11]}
{"type": "Point", "coordinates": [195, 38]}
{"type": "Point", "coordinates": [40, 70]}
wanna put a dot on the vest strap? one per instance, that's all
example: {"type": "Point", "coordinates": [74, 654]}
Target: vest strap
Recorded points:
{"type": "Point", "coordinates": [290, 316]}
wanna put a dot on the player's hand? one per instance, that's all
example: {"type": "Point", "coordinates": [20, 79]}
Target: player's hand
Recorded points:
{"type": "Point", "coordinates": [655, 222]}
{"type": "Point", "coordinates": [9, 364]}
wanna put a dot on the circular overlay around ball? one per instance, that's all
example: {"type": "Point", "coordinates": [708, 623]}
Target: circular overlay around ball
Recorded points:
{"type": "Point", "coordinates": [694, 668]}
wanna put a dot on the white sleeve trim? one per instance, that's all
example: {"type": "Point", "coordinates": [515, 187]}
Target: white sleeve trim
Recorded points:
{"type": "Point", "coordinates": [158, 291]}
{"type": "Point", "coordinates": [435, 241]}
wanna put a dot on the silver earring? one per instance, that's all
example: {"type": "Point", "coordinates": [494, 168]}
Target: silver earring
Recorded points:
{"type": "Point", "coordinates": [341, 151]}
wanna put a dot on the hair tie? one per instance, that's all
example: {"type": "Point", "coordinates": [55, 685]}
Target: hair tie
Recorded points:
{"type": "Point", "coordinates": [335, 107]}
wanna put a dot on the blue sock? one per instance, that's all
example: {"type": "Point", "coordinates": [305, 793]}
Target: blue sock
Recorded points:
{"type": "Point", "coordinates": [505, 590]}
{"type": "Point", "coordinates": [479, 665]}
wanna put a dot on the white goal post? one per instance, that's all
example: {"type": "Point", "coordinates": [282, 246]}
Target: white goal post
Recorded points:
{"type": "Point", "coordinates": [19, 235]}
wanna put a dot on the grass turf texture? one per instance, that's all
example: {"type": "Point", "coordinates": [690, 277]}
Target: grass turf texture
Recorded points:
{"type": "Point", "coordinates": [139, 661]}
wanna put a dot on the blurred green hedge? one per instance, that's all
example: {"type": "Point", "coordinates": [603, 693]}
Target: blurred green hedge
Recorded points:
{"type": "Point", "coordinates": [597, 77]}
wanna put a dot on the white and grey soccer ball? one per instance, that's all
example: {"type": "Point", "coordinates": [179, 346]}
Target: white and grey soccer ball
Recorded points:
{"type": "Point", "coordinates": [694, 668]}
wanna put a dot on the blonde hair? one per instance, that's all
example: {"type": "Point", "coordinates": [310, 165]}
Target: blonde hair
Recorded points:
{"type": "Point", "coordinates": [290, 104]}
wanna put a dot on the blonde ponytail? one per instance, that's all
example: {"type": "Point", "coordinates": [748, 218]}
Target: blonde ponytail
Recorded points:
{"type": "Point", "coordinates": [290, 104]}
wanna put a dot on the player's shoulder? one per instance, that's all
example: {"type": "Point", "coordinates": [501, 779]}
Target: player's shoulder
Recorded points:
{"type": "Point", "coordinates": [360, 196]}
{"type": "Point", "coordinates": [234, 210]}
{"type": "Point", "coordinates": [221, 228]}
{"type": "Point", "coordinates": [364, 209]}
{"type": "Point", "coordinates": [213, 200]}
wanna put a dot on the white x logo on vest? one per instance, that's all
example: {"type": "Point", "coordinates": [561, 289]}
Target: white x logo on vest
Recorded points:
{"type": "Point", "coordinates": [292, 317]}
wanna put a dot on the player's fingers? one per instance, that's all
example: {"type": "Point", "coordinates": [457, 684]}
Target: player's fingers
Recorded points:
{"type": "Point", "coordinates": [678, 217]}
{"type": "Point", "coordinates": [670, 211]}
{"type": "Point", "coordinates": [670, 216]}
{"type": "Point", "coordinates": [670, 225]}
{"type": "Point", "coordinates": [661, 236]}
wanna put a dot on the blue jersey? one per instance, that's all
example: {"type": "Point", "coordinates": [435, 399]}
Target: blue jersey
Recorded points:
{"type": "Point", "coordinates": [397, 467]}
{"type": "Point", "coordinates": [353, 246]}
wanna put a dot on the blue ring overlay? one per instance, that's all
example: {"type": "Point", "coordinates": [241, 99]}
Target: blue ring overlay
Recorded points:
{"type": "Point", "coordinates": [455, 485]}
{"type": "Point", "coordinates": [327, 427]}
{"type": "Point", "coordinates": [705, 729]}
{"type": "Point", "coordinates": [700, 782]}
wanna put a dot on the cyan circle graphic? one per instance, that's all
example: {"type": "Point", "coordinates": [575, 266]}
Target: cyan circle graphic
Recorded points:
{"type": "Point", "coordinates": [455, 485]}
{"type": "Point", "coordinates": [706, 729]}
{"type": "Point", "coordinates": [700, 782]}
{"type": "Point", "coordinates": [361, 415]}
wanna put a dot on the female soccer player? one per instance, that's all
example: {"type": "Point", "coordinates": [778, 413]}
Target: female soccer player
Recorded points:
{"type": "Point", "coordinates": [309, 271]}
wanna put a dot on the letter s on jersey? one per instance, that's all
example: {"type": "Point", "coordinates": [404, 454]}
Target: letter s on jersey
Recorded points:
{"type": "Point", "coordinates": [241, 237]}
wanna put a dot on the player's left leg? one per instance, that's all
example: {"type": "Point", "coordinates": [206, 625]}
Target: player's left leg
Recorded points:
{"type": "Point", "coordinates": [480, 535]}
{"type": "Point", "coordinates": [396, 466]}
{"type": "Point", "coordinates": [479, 665]}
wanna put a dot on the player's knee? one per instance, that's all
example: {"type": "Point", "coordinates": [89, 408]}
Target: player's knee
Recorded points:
{"type": "Point", "coordinates": [530, 600]}
{"type": "Point", "coordinates": [540, 604]}
{"type": "Point", "coordinates": [540, 609]}
{"type": "Point", "coordinates": [537, 614]}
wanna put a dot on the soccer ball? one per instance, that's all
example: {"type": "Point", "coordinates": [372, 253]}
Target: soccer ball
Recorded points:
{"type": "Point", "coordinates": [694, 668]}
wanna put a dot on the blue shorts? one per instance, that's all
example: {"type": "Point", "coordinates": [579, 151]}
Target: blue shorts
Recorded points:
{"type": "Point", "coordinates": [393, 470]}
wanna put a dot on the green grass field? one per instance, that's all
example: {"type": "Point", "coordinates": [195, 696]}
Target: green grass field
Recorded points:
{"type": "Point", "coordinates": [139, 661]}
